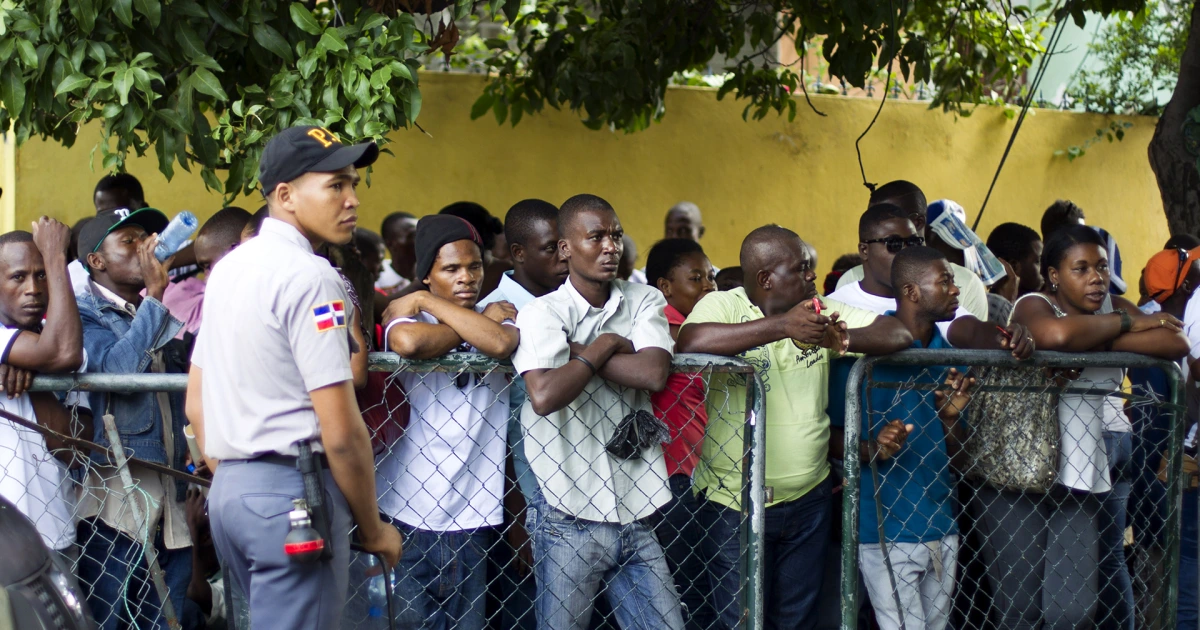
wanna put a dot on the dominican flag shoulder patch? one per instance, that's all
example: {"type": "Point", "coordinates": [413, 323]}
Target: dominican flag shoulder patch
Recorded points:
{"type": "Point", "coordinates": [330, 316]}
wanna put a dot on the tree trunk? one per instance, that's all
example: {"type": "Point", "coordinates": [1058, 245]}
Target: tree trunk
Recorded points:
{"type": "Point", "coordinates": [1174, 167]}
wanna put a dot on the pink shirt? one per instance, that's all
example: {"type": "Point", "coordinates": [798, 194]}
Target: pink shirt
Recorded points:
{"type": "Point", "coordinates": [681, 407]}
{"type": "Point", "coordinates": [184, 299]}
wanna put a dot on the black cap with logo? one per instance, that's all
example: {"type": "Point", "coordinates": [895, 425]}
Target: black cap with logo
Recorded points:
{"type": "Point", "coordinates": [96, 230]}
{"type": "Point", "coordinates": [299, 150]}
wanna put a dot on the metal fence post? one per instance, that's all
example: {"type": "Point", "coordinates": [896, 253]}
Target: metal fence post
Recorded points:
{"type": "Point", "coordinates": [1175, 485]}
{"type": "Point", "coordinates": [850, 495]}
{"type": "Point", "coordinates": [148, 550]}
{"type": "Point", "coordinates": [756, 426]}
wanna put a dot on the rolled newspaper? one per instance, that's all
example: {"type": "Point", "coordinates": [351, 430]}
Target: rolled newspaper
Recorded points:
{"type": "Point", "coordinates": [193, 448]}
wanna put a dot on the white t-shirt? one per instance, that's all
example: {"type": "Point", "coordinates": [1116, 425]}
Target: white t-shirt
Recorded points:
{"type": "Point", "coordinates": [447, 473]}
{"type": "Point", "coordinates": [1082, 420]}
{"type": "Point", "coordinates": [854, 295]}
{"type": "Point", "coordinates": [1191, 325]}
{"type": "Point", "coordinates": [30, 476]}
{"type": "Point", "coordinates": [79, 277]}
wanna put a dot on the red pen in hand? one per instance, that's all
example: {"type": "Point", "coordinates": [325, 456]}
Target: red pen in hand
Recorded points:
{"type": "Point", "coordinates": [817, 305]}
{"type": "Point", "coordinates": [1007, 335]}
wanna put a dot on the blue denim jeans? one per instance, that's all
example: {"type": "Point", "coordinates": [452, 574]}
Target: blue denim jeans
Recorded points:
{"type": "Point", "coordinates": [1116, 586]}
{"type": "Point", "coordinates": [571, 557]}
{"type": "Point", "coordinates": [112, 571]}
{"type": "Point", "coordinates": [682, 537]}
{"type": "Point", "coordinates": [796, 541]}
{"type": "Point", "coordinates": [1189, 585]}
{"type": "Point", "coordinates": [512, 593]}
{"type": "Point", "coordinates": [442, 578]}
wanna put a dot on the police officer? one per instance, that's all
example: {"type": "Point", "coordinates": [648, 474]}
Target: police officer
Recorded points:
{"type": "Point", "coordinates": [271, 371]}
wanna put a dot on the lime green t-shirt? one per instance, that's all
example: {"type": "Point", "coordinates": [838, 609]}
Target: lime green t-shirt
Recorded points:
{"type": "Point", "coordinates": [796, 379]}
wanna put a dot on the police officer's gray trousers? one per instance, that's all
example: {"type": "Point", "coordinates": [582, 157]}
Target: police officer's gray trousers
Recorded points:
{"type": "Point", "coordinates": [248, 506]}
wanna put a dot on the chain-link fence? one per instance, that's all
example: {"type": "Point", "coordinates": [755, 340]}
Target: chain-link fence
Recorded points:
{"type": "Point", "coordinates": [115, 525]}
{"type": "Point", "coordinates": [506, 515]}
{"type": "Point", "coordinates": [1007, 503]}
{"type": "Point", "coordinates": [485, 542]}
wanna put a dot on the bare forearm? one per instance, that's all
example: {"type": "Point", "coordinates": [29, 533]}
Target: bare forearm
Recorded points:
{"type": "Point", "coordinates": [730, 339]}
{"type": "Point", "coordinates": [970, 332]}
{"type": "Point", "coordinates": [1159, 342]}
{"type": "Point", "coordinates": [885, 335]}
{"type": "Point", "coordinates": [348, 451]}
{"type": "Point", "coordinates": [194, 410]}
{"type": "Point", "coordinates": [489, 337]}
{"type": "Point", "coordinates": [422, 341]}
{"type": "Point", "coordinates": [352, 466]}
{"type": "Point", "coordinates": [552, 390]}
{"type": "Point", "coordinates": [647, 369]}
{"type": "Point", "coordinates": [1075, 333]}
{"type": "Point", "coordinates": [62, 335]}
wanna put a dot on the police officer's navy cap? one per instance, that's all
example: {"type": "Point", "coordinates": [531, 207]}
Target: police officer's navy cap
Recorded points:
{"type": "Point", "coordinates": [299, 150]}
{"type": "Point", "coordinates": [96, 230]}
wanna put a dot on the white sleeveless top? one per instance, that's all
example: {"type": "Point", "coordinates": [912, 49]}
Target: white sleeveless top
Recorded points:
{"type": "Point", "coordinates": [1082, 420]}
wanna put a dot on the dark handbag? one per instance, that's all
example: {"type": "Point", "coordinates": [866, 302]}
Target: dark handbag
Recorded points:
{"type": "Point", "coordinates": [636, 432]}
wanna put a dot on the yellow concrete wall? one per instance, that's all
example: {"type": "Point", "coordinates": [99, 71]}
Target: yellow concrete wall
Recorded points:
{"type": "Point", "coordinates": [803, 175]}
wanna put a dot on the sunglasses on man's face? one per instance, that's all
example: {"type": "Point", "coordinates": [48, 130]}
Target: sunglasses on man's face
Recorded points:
{"type": "Point", "coordinates": [897, 243]}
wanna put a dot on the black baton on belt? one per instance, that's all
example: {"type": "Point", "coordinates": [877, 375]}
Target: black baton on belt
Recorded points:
{"type": "Point", "coordinates": [314, 494]}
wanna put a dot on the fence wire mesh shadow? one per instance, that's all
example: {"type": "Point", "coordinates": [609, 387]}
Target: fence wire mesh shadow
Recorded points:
{"type": "Point", "coordinates": [1049, 496]}
{"type": "Point", "coordinates": [484, 529]}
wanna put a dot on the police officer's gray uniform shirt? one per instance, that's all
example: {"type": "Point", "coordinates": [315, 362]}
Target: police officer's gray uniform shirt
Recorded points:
{"type": "Point", "coordinates": [275, 318]}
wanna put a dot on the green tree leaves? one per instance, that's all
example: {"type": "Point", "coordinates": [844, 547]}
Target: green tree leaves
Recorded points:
{"type": "Point", "coordinates": [203, 82]}
{"type": "Point", "coordinates": [611, 62]}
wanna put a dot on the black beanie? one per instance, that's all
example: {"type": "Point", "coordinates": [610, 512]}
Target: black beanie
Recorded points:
{"type": "Point", "coordinates": [436, 230]}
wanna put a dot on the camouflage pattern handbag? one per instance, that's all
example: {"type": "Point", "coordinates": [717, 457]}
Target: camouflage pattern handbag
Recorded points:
{"type": "Point", "coordinates": [1013, 438]}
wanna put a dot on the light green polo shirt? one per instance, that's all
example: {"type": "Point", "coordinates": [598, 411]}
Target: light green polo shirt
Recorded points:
{"type": "Point", "coordinates": [797, 428]}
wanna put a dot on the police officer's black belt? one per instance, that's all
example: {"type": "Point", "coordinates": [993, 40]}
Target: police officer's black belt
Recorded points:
{"type": "Point", "coordinates": [92, 446]}
{"type": "Point", "coordinates": [290, 461]}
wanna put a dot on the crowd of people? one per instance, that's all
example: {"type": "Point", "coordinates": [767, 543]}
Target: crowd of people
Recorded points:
{"type": "Point", "coordinates": [592, 486]}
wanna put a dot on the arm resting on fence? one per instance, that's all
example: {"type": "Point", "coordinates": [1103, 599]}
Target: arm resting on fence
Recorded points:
{"type": "Point", "coordinates": [730, 339]}
{"type": "Point", "coordinates": [1165, 342]}
{"type": "Point", "coordinates": [973, 333]}
{"type": "Point", "coordinates": [885, 335]}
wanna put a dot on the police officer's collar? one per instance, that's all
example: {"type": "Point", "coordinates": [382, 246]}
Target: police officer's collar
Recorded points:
{"type": "Point", "coordinates": [285, 231]}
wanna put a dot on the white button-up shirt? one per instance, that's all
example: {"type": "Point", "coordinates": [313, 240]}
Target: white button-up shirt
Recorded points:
{"type": "Point", "coordinates": [275, 317]}
{"type": "Point", "coordinates": [566, 450]}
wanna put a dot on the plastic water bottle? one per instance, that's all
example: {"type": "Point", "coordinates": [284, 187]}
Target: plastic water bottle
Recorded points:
{"type": "Point", "coordinates": [178, 231]}
{"type": "Point", "coordinates": [376, 589]}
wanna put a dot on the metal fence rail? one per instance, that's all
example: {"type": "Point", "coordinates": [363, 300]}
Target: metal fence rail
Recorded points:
{"type": "Point", "coordinates": [994, 507]}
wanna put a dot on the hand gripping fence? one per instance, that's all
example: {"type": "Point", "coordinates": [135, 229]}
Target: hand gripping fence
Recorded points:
{"type": "Point", "coordinates": [453, 546]}
{"type": "Point", "coordinates": [1052, 498]}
